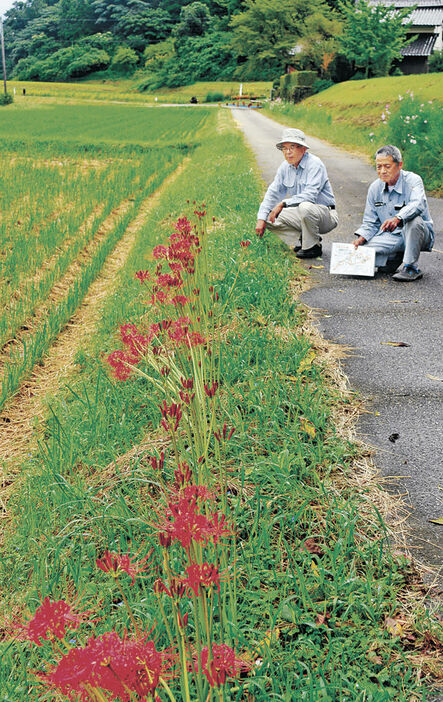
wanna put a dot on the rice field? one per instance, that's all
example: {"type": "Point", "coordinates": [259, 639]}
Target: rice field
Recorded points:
{"type": "Point", "coordinates": [66, 196]}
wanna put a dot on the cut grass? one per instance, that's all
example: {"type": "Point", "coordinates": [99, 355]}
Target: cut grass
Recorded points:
{"type": "Point", "coordinates": [87, 488]}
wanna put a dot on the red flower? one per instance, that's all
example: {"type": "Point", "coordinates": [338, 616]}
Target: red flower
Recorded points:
{"type": "Point", "coordinates": [188, 384]}
{"type": "Point", "coordinates": [50, 621]}
{"type": "Point", "coordinates": [158, 463]}
{"type": "Point", "coordinates": [183, 475]}
{"type": "Point", "coordinates": [210, 391]}
{"type": "Point", "coordinates": [121, 364]}
{"type": "Point", "coordinates": [116, 564]}
{"type": "Point", "coordinates": [224, 433]}
{"type": "Point", "coordinates": [183, 523]}
{"type": "Point", "coordinates": [220, 663]}
{"type": "Point", "coordinates": [245, 244]}
{"type": "Point", "coordinates": [174, 412]}
{"type": "Point", "coordinates": [122, 667]}
{"type": "Point", "coordinates": [197, 576]}
{"type": "Point", "coordinates": [179, 300]}
{"type": "Point", "coordinates": [142, 276]}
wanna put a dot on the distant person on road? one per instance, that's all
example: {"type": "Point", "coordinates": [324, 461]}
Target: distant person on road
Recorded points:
{"type": "Point", "coordinates": [396, 221]}
{"type": "Point", "coordinates": [299, 204]}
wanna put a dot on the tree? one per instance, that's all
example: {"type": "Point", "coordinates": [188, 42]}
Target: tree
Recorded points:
{"type": "Point", "coordinates": [319, 42]}
{"type": "Point", "coordinates": [194, 20]}
{"type": "Point", "coordinates": [373, 36]}
{"type": "Point", "coordinates": [124, 60]}
{"type": "Point", "coordinates": [266, 31]}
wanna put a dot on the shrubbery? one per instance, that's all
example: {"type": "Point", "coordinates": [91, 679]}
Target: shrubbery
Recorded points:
{"type": "Point", "coordinates": [416, 128]}
{"type": "Point", "coordinates": [435, 63]}
{"type": "Point", "coordinates": [6, 99]}
{"type": "Point", "coordinates": [72, 62]}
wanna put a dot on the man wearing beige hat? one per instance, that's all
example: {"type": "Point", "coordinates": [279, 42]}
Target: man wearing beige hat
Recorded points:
{"type": "Point", "coordinates": [299, 204]}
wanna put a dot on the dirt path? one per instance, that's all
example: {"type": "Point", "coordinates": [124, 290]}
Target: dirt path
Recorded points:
{"type": "Point", "coordinates": [402, 386]}
{"type": "Point", "coordinates": [21, 420]}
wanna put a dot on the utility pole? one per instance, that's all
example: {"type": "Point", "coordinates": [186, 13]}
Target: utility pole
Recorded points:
{"type": "Point", "coordinates": [3, 54]}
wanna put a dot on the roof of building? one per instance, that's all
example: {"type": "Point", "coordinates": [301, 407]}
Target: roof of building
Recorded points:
{"type": "Point", "coordinates": [422, 46]}
{"type": "Point", "coordinates": [427, 16]}
{"type": "Point", "coordinates": [410, 3]}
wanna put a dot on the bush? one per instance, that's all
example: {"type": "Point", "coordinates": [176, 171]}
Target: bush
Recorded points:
{"type": "Point", "coordinates": [6, 99]}
{"type": "Point", "coordinates": [215, 97]}
{"type": "Point", "coordinates": [124, 60]}
{"type": "Point", "coordinates": [416, 128]}
{"type": "Point", "coordinates": [297, 85]}
{"type": "Point", "coordinates": [435, 62]}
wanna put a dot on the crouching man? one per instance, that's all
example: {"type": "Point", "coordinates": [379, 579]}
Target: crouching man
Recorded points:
{"type": "Point", "coordinates": [396, 221]}
{"type": "Point", "coordinates": [299, 204]}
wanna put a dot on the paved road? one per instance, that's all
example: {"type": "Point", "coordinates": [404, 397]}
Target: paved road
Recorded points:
{"type": "Point", "coordinates": [402, 386]}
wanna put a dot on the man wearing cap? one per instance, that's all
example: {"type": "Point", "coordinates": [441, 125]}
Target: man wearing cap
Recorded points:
{"type": "Point", "coordinates": [299, 204]}
{"type": "Point", "coordinates": [396, 221]}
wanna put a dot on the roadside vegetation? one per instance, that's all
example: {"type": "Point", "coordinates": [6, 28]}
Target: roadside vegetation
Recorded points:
{"type": "Point", "coordinates": [361, 115]}
{"type": "Point", "coordinates": [194, 502]}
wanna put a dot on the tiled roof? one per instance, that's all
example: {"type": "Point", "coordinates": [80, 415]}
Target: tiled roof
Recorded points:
{"type": "Point", "coordinates": [410, 3]}
{"type": "Point", "coordinates": [422, 46]}
{"type": "Point", "coordinates": [427, 16]}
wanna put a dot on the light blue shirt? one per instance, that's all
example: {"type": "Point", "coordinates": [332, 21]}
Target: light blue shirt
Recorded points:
{"type": "Point", "coordinates": [406, 199]}
{"type": "Point", "coordinates": [308, 182]}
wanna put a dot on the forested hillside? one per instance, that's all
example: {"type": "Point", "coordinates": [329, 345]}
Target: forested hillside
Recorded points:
{"type": "Point", "coordinates": [174, 42]}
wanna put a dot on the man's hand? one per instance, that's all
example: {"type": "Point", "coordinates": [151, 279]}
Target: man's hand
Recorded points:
{"type": "Point", "coordinates": [390, 224]}
{"type": "Point", "coordinates": [275, 212]}
{"type": "Point", "coordinates": [260, 227]}
{"type": "Point", "coordinates": [359, 241]}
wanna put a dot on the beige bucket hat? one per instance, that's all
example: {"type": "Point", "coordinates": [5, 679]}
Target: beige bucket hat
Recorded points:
{"type": "Point", "coordinates": [292, 136]}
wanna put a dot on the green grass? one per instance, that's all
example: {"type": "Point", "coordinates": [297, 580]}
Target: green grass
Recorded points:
{"type": "Point", "coordinates": [285, 485]}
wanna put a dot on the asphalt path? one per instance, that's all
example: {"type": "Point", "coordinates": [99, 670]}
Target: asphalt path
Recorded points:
{"type": "Point", "coordinates": [402, 386]}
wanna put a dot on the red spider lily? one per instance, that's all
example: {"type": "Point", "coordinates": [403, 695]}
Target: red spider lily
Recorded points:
{"type": "Point", "coordinates": [119, 666]}
{"type": "Point", "coordinates": [224, 433]}
{"type": "Point", "coordinates": [179, 300]}
{"type": "Point", "coordinates": [175, 591]}
{"type": "Point", "coordinates": [136, 342]}
{"type": "Point", "coordinates": [200, 213]}
{"type": "Point", "coordinates": [165, 540]}
{"type": "Point", "coordinates": [175, 266]}
{"type": "Point", "coordinates": [245, 244]}
{"type": "Point", "coordinates": [165, 371]}
{"type": "Point", "coordinates": [166, 280]}
{"type": "Point", "coordinates": [186, 398]}
{"type": "Point", "coordinates": [121, 364]}
{"type": "Point", "coordinates": [180, 329]}
{"type": "Point", "coordinates": [197, 576]}
{"type": "Point", "coordinates": [210, 391]}
{"type": "Point", "coordinates": [115, 564]}
{"type": "Point", "coordinates": [157, 463]}
{"type": "Point", "coordinates": [160, 251]}
{"type": "Point", "coordinates": [174, 411]}
{"type": "Point", "coordinates": [195, 339]}
{"type": "Point", "coordinates": [220, 663]}
{"type": "Point", "coordinates": [142, 276]}
{"type": "Point", "coordinates": [187, 383]}
{"type": "Point", "coordinates": [50, 621]}
{"type": "Point", "coordinates": [183, 225]}
{"type": "Point", "coordinates": [183, 475]}
{"type": "Point", "coordinates": [183, 521]}
{"type": "Point", "coordinates": [219, 527]}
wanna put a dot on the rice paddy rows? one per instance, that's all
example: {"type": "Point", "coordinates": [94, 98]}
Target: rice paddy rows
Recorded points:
{"type": "Point", "coordinates": [63, 211]}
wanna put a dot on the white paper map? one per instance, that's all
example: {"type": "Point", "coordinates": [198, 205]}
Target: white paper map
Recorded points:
{"type": "Point", "coordinates": [347, 260]}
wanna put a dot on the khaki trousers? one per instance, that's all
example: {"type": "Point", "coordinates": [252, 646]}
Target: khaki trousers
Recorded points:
{"type": "Point", "coordinates": [304, 224]}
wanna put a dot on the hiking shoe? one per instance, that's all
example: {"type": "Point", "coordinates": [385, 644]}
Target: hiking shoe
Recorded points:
{"type": "Point", "coordinates": [313, 252]}
{"type": "Point", "coordinates": [407, 274]}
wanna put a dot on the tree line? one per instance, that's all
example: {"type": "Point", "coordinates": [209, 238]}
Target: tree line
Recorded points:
{"type": "Point", "coordinates": [176, 42]}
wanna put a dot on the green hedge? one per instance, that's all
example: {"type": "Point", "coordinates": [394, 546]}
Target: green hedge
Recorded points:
{"type": "Point", "coordinates": [297, 85]}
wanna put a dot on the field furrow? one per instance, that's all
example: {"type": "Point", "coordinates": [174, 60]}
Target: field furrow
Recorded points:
{"type": "Point", "coordinates": [20, 421]}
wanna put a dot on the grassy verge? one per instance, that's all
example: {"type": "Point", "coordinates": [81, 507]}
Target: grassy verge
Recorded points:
{"type": "Point", "coordinates": [321, 602]}
{"type": "Point", "coordinates": [361, 115]}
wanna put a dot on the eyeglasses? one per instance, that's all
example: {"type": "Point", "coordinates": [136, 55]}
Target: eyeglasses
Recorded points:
{"type": "Point", "coordinates": [288, 149]}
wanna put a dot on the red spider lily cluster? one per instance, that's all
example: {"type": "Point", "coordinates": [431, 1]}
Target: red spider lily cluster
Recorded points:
{"type": "Point", "coordinates": [192, 571]}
